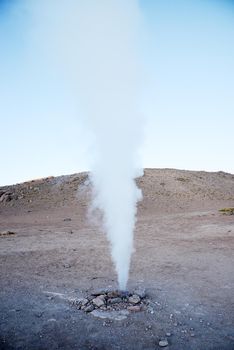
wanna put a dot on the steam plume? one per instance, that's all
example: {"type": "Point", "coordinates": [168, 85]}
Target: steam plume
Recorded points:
{"type": "Point", "coordinates": [96, 40]}
{"type": "Point", "coordinates": [109, 86]}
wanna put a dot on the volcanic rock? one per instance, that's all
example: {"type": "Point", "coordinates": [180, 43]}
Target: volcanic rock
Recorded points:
{"type": "Point", "coordinates": [163, 343]}
{"type": "Point", "coordinates": [114, 294]}
{"type": "Point", "coordinates": [114, 301]}
{"type": "Point", "coordinates": [89, 308]}
{"type": "Point", "coordinates": [140, 291]}
{"type": "Point", "coordinates": [134, 299]}
{"type": "Point", "coordinates": [99, 301]}
{"type": "Point", "coordinates": [100, 292]}
{"type": "Point", "coordinates": [134, 308]}
{"type": "Point", "coordinates": [84, 302]}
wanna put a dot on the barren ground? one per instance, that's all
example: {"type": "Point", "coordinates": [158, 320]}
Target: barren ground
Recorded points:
{"type": "Point", "coordinates": [183, 257]}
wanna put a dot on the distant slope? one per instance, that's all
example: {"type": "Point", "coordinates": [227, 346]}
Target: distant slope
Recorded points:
{"type": "Point", "coordinates": [164, 190]}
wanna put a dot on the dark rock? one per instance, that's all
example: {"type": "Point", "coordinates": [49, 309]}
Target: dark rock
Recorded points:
{"type": "Point", "coordinates": [67, 266]}
{"type": "Point", "coordinates": [125, 294]}
{"type": "Point", "coordinates": [114, 294]}
{"type": "Point", "coordinates": [114, 301]}
{"type": "Point", "coordinates": [89, 308]}
{"type": "Point", "coordinates": [67, 219]}
{"type": "Point", "coordinates": [7, 233]}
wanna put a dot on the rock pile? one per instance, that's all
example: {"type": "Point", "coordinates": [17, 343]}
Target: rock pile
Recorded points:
{"type": "Point", "coordinates": [113, 301]}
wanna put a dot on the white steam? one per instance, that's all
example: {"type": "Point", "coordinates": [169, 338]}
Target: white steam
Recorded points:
{"type": "Point", "coordinates": [97, 43]}
{"type": "Point", "coordinates": [109, 86]}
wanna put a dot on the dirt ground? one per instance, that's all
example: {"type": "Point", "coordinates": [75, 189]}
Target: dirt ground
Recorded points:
{"type": "Point", "coordinates": [183, 257]}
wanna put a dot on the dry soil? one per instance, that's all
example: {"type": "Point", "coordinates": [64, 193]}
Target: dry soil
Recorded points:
{"type": "Point", "coordinates": [55, 254]}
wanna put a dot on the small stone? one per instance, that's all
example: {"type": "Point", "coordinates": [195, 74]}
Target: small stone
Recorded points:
{"type": "Point", "coordinates": [67, 266]}
{"type": "Point", "coordinates": [163, 343]}
{"type": "Point", "coordinates": [134, 308]}
{"type": "Point", "coordinates": [114, 301]}
{"type": "Point", "coordinates": [103, 308]}
{"type": "Point", "coordinates": [98, 292]}
{"type": "Point", "coordinates": [192, 334]}
{"type": "Point", "coordinates": [89, 308]}
{"type": "Point", "coordinates": [140, 291]}
{"type": "Point", "coordinates": [84, 302]}
{"type": "Point", "coordinates": [7, 233]}
{"type": "Point", "coordinates": [67, 219]}
{"type": "Point", "coordinates": [168, 334]}
{"type": "Point", "coordinates": [99, 301]}
{"type": "Point", "coordinates": [113, 294]}
{"type": "Point", "coordinates": [134, 299]}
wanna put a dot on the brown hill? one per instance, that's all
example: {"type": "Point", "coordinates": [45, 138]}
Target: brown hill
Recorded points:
{"type": "Point", "coordinates": [50, 254]}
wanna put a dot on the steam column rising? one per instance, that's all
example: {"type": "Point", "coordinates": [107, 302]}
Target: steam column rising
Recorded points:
{"type": "Point", "coordinates": [108, 80]}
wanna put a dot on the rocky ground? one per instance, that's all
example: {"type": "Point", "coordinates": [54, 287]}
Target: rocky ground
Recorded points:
{"type": "Point", "coordinates": [58, 285]}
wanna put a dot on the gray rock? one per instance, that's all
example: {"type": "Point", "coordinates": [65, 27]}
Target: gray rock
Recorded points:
{"type": "Point", "coordinates": [99, 301]}
{"type": "Point", "coordinates": [163, 343]}
{"type": "Point", "coordinates": [140, 291]}
{"type": "Point", "coordinates": [98, 292]}
{"type": "Point", "coordinates": [114, 301]}
{"type": "Point", "coordinates": [89, 308]}
{"type": "Point", "coordinates": [83, 302]}
{"type": "Point", "coordinates": [134, 299]}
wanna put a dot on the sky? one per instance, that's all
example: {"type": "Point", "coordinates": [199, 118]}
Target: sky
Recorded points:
{"type": "Point", "coordinates": [187, 54]}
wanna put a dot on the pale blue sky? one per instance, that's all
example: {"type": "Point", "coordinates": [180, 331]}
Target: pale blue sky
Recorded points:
{"type": "Point", "coordinates": [188, 55]}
